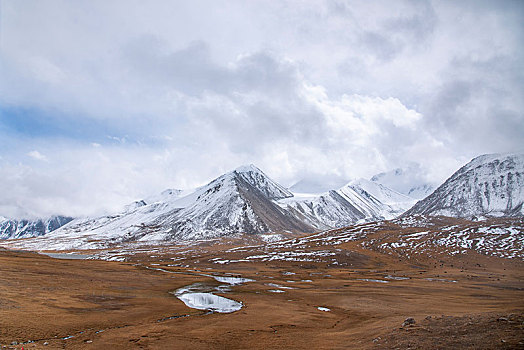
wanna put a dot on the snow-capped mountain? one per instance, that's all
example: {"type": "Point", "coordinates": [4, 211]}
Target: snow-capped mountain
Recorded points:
{"type": "Point", "coordinates": [244, 200]}
{"type": "Point", "coordinates": [359, 200]}
{"type": "Point", "coordinates": [241, 201]}
{"type": "Point", "coordinates": [410, 181]}
{"type": "Point", "coordinates": [255, 177]}
{"type": "Point", "coordinates": [24, 228]}
{"type": "Point", "coordinates": [489, 185]}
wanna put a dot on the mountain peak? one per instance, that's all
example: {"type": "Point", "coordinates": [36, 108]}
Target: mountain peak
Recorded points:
{"type": "Point", "coordinates": [499, 157]}
{"type": "Point", "coordinates": [382, 193]}
{"type": "Point", "coordinates": [489, 185]}
{"type": "Point", "coordinates": [262, 182]}
{"type": "Point", "coordinates": [359, 181]}
{"type": "Point", "coordinates": [247, 168]}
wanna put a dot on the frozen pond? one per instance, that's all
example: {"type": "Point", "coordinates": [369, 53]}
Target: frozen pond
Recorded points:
{"type": "Point", "coordinates": [371, 280]}
{"type": "Point", "coordinates": [66, 256]}
{"type": "Point", "coordinates": [209, 301]}
{"type": "Point", "coordinates": [199, 295]}
{"type": "Point", "coordinates": [396, 278]}
{"type": "Point", "coordinates": [231, 280]}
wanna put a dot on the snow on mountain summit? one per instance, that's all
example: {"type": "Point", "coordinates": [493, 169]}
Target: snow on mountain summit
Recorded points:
{"type": "Point", "coordinates": [376, 200]}
{"type": "Point", "coordinates": [240, 201]}
{"type": "Point", "coordinates": [357, 201]}
{"type": "Point", "coordinates": [261, 181]}
{"type": "Point", "coordinates": [410, 181]}
{"type": "Point", "coordinates": [247, 168]}
{"type": "Point", "coordinates": [489, 185]}
{"type": "Point", "coordinates": [246, 200]}
{"type": "Point", "coordinates": [382, 193]}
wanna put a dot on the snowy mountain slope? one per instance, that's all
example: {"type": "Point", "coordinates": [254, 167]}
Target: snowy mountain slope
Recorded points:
{"type": "Point", "coordinates": [323, 211]}
{"type": "Point", "coordinates": [240, 201]}
{"type": "Point", "coordinates": [244, 200]}
{"type": "Point", "coordinates": [380, 192]}
{"type": "Point", "coordinates": [410, 181]}
{"type": "Point", "coordinates": [23, 228]}
{"type": "Point", "coordinates": [489, 185]}
{"type": "Point", "coordinates": [168, 195]}
{"type": "Point", "coordinates": [375, 200]}
{"type": "Point", "coordinates": [255, 177]}
{"type": "Point", "coordinates": [359, 200]}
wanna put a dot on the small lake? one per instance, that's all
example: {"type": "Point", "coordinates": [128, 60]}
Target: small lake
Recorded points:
{"type": "Point", "coordinates": [209, 301]}
{"type": "Point", "coordinates": [200, 295]}
{"type": "Point", "coordinates": [70, 256]}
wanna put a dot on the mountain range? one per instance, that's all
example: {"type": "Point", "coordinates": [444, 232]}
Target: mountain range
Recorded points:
{"type": "Point", "coordinates": [24, 228]}
{"type": "Point", "coordinates": [246, 200]}
{"type": "Point", "coordinates": [358, 201]}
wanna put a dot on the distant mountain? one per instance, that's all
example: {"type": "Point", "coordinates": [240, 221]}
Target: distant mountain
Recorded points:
{"type": "Point", "coordinates": [489, 185]}
{"type": "Point", "coordinates": [357, 201]}
{"type": "Point", "coordinates": [256, 178]}
{"type": "Point", "coordinates": [410, 181]}
{"type": "Point", "coordinates": [244, 200]}
{"type": "Point", "coordinates": [241, 201]}
{"type": "Point", "coordinates": [24, 228]}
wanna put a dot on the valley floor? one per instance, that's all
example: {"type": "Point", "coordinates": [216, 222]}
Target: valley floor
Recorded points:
{"type": "Point", "coordinates": [466, 301]}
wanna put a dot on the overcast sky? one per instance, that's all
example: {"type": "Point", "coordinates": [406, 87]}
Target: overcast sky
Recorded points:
{"type": "Point", "coordinates": [105, 102]}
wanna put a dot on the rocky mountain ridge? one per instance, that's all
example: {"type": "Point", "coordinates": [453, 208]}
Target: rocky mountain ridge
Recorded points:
{"type": "Point", "coordinates": [489, 185]}
{"type": "Point", "coordinates": [24, 228]}
{"type": "Point", "coordinates": [246, 200]}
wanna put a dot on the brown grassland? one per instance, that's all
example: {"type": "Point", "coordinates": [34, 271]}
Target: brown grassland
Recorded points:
{"type": "Point", "coordinates": [91, 304]}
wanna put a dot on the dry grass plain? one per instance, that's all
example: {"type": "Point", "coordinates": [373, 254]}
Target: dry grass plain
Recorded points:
{"type": "Point", "coordinates": [471, 302]}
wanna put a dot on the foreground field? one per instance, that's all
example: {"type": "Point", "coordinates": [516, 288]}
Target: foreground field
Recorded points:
{"type": "Point", "coordinates": [304, 293]}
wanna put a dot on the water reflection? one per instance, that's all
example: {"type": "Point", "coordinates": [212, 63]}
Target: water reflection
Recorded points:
{"type": "Point", "coordinates": [200, 295]}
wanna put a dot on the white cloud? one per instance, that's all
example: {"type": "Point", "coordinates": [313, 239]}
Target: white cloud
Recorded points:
{"type": "Point", "coordinates": [37, 155]}
{"type": "Point", "coordinates": [169, 95]}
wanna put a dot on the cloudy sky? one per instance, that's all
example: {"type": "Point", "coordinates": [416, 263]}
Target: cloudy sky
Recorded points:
{"type": "Point", "coordinates": [105, 102]}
